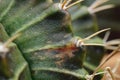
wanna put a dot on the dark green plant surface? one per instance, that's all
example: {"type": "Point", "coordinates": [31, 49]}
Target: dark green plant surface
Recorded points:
{"type": "Point", "coordinates": [44, 50]}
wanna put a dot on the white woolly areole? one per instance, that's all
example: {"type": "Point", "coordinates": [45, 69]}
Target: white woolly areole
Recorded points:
{"type": "Point", "coordinates": [60, 5]}
{"type": "Point", "coordinates": [3, 48]}
{"type": "Point", "coordinates": [78, 42]}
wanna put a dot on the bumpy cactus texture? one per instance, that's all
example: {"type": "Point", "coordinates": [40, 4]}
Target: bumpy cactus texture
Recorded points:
{"type": "Point", "coordinates": [44, 49]}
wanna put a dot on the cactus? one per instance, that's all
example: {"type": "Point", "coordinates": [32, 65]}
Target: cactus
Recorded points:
{"type": "Point", "coordinates": [47, 40]}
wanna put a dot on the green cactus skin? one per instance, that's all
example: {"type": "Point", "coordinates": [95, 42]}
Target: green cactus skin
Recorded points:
{"type": "Point", "coordinates": [45, 51]}
{"type": "Point", "coordinates": [12, 63]}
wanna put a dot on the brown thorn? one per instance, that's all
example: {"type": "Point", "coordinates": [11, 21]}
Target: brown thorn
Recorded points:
{"type": "Point", "coordinates": [98, 32]}
{"type": "Point", "coordinates": [74, 4]}
{"type": "Point", "coordinates": [11, 39]}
